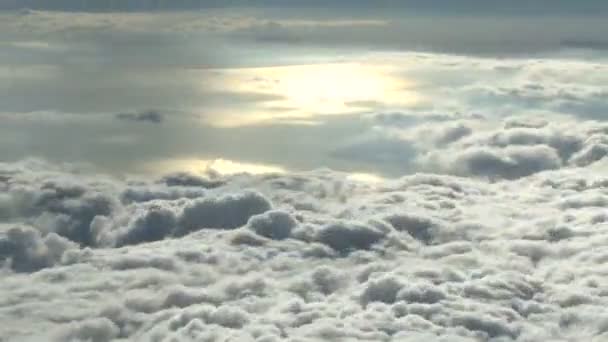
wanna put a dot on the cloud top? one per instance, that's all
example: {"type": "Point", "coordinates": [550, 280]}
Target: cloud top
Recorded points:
{"type": "Point", "coordinates": [310, 256]}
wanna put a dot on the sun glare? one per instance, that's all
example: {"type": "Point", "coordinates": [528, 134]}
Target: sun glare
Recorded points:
{"type": "Point", "coordinates": [330, 88]}
{"type": "Point", "coordinates": [220, 166]}
{"type": "Point", "coordinates": [302, 92]}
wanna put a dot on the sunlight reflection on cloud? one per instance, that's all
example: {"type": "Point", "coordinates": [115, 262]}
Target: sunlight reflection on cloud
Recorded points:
{"type": "Point", "coordinates": [306, 91]}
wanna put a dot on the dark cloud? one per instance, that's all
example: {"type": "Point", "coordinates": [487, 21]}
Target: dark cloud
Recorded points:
{"type": "Point", "coordinates": [225, 212]}
{"type": "Point", "coordinates": [190, 180]}
{"type": "Point", "coordinates": [346, 236]}
{"type": "Point", "coordinates": [25, 250]}
{"type": "Point", "coordinates": [273, 224]}
{"type": "Point", "coordinates": [419, 227]}
{"type": "Point", "coordinates": [151, 116]}
{"type": "Point", "coordinates": [384, 290]}
{"type": "Point", "coordinates": [510, 162]}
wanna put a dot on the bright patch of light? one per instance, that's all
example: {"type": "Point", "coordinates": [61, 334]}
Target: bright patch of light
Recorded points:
{"type": "Point", "coordinates": [306, 91]}
{"type": "Point", "coordinates": [217, 166]}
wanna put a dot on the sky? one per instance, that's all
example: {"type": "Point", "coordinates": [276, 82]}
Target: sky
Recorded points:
{"type": "Point", "coordinates": [312, 79]}
{"type": "Point", "coordinates": [303, 170]}
{"type": "Point", "coordinates": [439, 6]}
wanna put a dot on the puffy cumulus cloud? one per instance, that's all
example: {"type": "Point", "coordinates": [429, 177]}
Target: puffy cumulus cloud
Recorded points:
{"type": "Point", "coordinates": [495, 147]}
{"type": "Point", "coordinates": [507, 148]}
{"type": "Point", "coordinates": [313, 256]}
{"type": "Point", "coordinates": [156, 219]}
{"type": "Point", "coordinates": [443, 134]}
{"type": "Point", "coordinates": [511, 163]}
{"type": "Point", "coordinates": [96, 211]}
{"type": "Point", "coordinates": [225, 212]}
{"type": "Point", "coordinates": [273, 224]}
{"type": "Point", "coordinates": [345, 236]}
{"type": "Point", "coordinates": [150, 222]}
{"type": "Point", "coordinates": [94, 330]}
{"type": "Point", "coordinates": [25, 250]}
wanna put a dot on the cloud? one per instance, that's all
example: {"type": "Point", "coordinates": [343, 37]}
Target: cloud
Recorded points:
{"type": "Point", "coordinates": [506, 148]}
{"type": "Point", "coordinates": [151, 116]}
{"type": "Point", "coordinates": [25, 250]}
{"type": "Point", "coordinates": [273, 224]}
{"type": "Point", "coordinates": [95, 330]}
{"type": "Point", "coordinates": [383, 290]}
{"type": "Point", "coordinates": [463, 91]}
{"type": "Point", "coordinates": [226, 212]}
{"type": "Point", "coordinates": [190, 180]}
{"type": "Point", "coordinates": [309, 256]}
{"type": "Point", "coordinates": [510, 162]}
{"type": "Point", "coordinates": [474, 6]}
{"type": "Point", "coordinates": [348, 236]}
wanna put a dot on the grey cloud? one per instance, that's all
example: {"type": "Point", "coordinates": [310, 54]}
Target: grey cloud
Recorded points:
{"type": "Point", "coordinates": [151, 116]}
{"type": "Point", "coordinates": [156, 219]}
{"type": "Point", "coordinates": [100, 213]}
{"type": "Point", "coordinates": [147, 224]}
{"type": "Point", "coordinates": [148, 192]}
{"type": "Point", "coordinates": [190, 180]}
{"type": "Point", "coordinates": [515, 150]}
{"type": "Point", "coordinates": [383, 290]}
{"type": "Point", "coordinates": [510, 162]}
{"type": "Point", "coordinates": [499, 147]}
{"type": "Point", "coordinates": [421, 293]}
{"type": "Point", "coordinates": [94, 330]}
{"type": "Point", "coordinates": [489, 326]}
{"type": "Point", "coordinates": [564, 143]}
{"type": "Point", "coordinates": [419, 227]}
{"type": "Point", "coordinates": [226, 212]}
{"type": "Point", "coordinates": [524, 122]}
{"type": "Point", "coordinates": [590, 154]}
{"type": "Point", "coordinates": [273, 224]}
{"type": "Point", "coordinates": [348, 236]}
{"type": "Point", "coordinates": [443, 133]}
{"type": "Point", "coordinates": [454, 133]}
{"type": "Point", "coordinates": [25, 250]}
{"type": "Point", "coordinates": [61, 206]}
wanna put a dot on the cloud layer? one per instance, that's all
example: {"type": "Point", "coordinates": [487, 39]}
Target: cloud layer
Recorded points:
{"type": "Point", "coordinates": [310, 256]}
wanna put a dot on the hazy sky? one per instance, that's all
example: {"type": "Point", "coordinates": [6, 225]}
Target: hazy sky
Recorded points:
{"type": "Point", "coordinates": [586, 7]}
{"type": "Point", "coordinates": [266, 83]}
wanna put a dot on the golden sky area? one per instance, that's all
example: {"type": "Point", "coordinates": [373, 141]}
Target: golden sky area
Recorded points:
{"type": "Point", "coordinates": [303, 92]}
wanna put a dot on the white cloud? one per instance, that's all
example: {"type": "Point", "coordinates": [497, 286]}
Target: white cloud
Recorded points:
{"type": "Point", "coordinates": [428, 257]}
